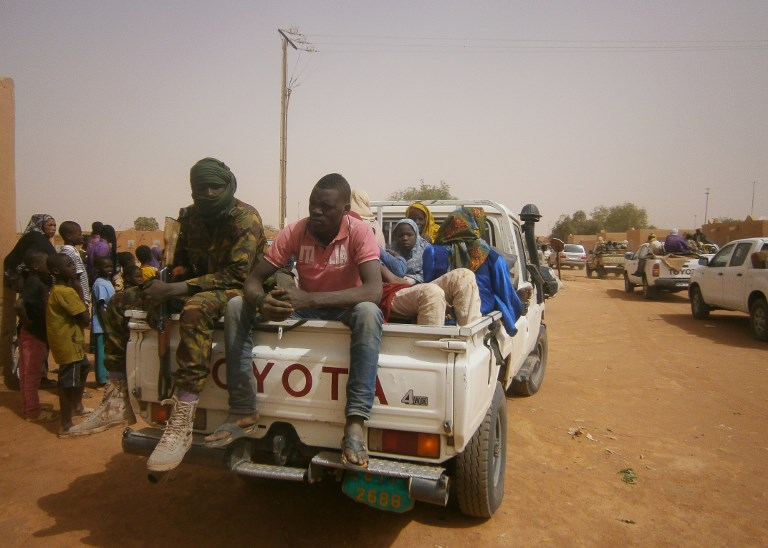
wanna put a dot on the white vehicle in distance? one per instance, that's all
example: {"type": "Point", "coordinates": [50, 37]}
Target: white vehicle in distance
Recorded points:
{"type": "Point", "coordinates": [573, 255]}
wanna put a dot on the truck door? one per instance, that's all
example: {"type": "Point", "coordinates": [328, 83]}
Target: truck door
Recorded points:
{"type": "Point", "coordinates": [734, 277]}
{"type": "Point", "coordinates": [711, 280]}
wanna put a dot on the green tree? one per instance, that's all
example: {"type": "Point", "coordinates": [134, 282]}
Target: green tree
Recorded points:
{"type": "Point", "coordinates": [146, 223]}
{"type": "Point", "coordinates": [611, 219]}
{"type": "Point", "coordinates": [424, 192]}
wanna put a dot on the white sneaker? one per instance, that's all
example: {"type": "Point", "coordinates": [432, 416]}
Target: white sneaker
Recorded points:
{"type": "Point", "coordinates": [115, 410]}
{"type": "Point", "coordinates": [177, 437]}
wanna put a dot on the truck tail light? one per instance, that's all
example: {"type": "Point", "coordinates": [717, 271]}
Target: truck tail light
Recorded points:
{"type": "Point", "coordinates": [655, 270]}
{"type": "Point", "coordinates": [415, 444]}
{"type": "Point", "coordinates": [159, 414]}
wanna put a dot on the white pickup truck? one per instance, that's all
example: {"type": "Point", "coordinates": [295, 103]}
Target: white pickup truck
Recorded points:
{"type": "Point", "coordinates": [736, 278]}
{"type": "Point", "coordinates": [671, 273]}
{"type": "Point", "coordinates": [439, 421]}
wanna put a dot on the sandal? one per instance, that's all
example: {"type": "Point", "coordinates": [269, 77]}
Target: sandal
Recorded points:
{"type": "Point", "coordinates": [231, 431]}
{"type": "Point", "coordinates": [357, 446]}
{"type": "Point", "coordinates": [45, 415]}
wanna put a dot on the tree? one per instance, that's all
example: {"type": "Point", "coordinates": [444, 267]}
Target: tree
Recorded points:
{"type": "Point", "coordinates": [424, 192]}
{"type": "Point", "coordinates": [618, 218]}
{"type": "Point", "coordinates": [146, 223]}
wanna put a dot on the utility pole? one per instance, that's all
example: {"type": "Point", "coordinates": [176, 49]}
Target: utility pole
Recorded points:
{"type": "Point", "coordinates": [706, 206]}
{"type": "Point", "coordinates": [752, 209]}
{"type": "Point", "coordinates": [284, 95]}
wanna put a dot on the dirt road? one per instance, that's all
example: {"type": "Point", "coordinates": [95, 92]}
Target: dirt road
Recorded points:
{"type": "Point", "coordinates": [630, 384]}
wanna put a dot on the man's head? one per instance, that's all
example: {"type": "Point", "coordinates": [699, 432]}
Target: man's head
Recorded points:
{"type": "Point", "coordinates": [144, 254]}
{"type": "Point", "coordinates": [71, 233]}
{"type": "Point", "coordinates": [674, 232]}
{"type": "Point", "coordinates": [328, 203]}
{"type": "Point", "coordinates": [36, 261]}
{"type": "Point", "coordinates": [96, 227]}
{"type": "Point", "coordinates": [104, 267]}
{"type": "Point", "coordinates": [61, 266]}
{"type": "Point", "coordinates": [213, 187]}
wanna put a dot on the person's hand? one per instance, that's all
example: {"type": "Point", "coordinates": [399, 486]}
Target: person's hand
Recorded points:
{"type": "Point", "coordinates": [157, 291]}
{"type": "Point", "coordinates": [274, 307]}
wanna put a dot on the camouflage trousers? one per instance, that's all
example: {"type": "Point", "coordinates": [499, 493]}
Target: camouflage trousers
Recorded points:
{"type": "Point", "coordinates": [199, 315]}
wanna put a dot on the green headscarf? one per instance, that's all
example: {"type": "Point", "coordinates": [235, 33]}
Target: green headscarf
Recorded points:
{"type": "Point", "coordinates": [208, 171]}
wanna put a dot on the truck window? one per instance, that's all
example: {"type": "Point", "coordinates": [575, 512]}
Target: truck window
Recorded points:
{"type": "Point", "coordinates": [721, 258]}
{"type": "Point", "coordinates": [740, 254]}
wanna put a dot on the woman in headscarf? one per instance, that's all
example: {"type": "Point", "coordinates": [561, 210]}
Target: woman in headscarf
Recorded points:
{"type": "Point", "coordinates": [461, 243]}
{"type": "Point", "coordinates": [38, 234]}
{"type": "Point", "coordinates": [421, 214]}
{"type": "Point", "coordinates": [157, 256]}
{"type": "Point", "coordinates": [360, 204]}
{"type": "Point", "coordinates": [407, 297]}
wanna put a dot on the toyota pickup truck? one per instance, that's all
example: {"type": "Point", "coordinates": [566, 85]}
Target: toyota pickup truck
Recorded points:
{"type": "Point", "coordinates": [670, 273]}
{"type": "Point", "coordinates": [736, 278]}
{"type": "Point", "coordinates": [602, 260]}
{"type": "Point", "coordinates": [439, 422]}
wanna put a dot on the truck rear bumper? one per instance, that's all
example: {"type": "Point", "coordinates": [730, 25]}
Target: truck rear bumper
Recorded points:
{"type": "Point", "coordinates": [671, 284]}
{"type": "Point", "coordinates": [426, 483]}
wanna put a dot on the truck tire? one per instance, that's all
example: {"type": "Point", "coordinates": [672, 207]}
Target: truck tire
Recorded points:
{"type": "Point", "coordinates": [480, 467]}
{"type": "Point", "coordinates": [648, 291]}
{"type": "Point", "coordinates": [629, 287]}
{"type": "Point", "coordinates": [601, 273]}
{"type": "Point", "coordinates": [581, 267]}
{"type": "Point", "coordinates": [535, 366]}
{"type": "Point", "coordinates": [589, 272]}
{"type": "Point", "coordinates": [758, 319]}
{"type": "Point", "coordinates": [699, 308]}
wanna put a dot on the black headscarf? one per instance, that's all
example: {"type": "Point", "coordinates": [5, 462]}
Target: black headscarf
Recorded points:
{"type": "Point", "coordinates": [207, 171]}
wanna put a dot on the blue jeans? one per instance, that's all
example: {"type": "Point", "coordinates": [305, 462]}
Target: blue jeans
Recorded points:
{"type": "Point", "coordinates": [238, 350]}
{"type": "Point", "coordinates": [365, 320]}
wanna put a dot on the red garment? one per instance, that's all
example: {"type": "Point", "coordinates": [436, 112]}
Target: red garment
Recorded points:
{"type": "Point", "coordinates": [32, 354]}
{"type": "Point", "coordinates": [389, 289]}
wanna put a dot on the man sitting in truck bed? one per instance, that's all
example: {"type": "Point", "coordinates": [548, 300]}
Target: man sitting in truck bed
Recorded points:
{"type": "Point", "coordinates": [337, 260]}
{"type": "Point", "coordinates": [219, 240]}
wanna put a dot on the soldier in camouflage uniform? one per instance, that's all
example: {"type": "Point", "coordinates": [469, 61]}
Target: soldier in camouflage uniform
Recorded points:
{"type": "Point", "coordinates": [219, 241]}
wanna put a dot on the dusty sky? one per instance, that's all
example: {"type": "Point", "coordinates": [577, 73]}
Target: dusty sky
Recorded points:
{"type": "Point", "coordinates": [565, 104]}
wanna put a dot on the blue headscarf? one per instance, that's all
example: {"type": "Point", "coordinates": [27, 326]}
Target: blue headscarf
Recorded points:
{"type": "Point", "coordinates": [413, 257]}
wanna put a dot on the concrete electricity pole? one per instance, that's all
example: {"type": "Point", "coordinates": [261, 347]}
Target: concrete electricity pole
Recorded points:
{"type": "Point", "coordinates": [706, 206]}
{"type": "Point", "coordinates": [284, 95]}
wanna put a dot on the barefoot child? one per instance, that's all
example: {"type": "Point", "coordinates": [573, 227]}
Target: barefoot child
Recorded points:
{"type": "Point", "coordinates": [66, 316]}
{"type": "Point", "coordinates": [33, 345]}
{"type": "Point", "coordinates": [101, 293]}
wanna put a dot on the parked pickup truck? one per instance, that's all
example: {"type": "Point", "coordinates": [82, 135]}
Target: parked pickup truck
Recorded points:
{"type": "Point", "coordinates": [736, 278]}
{"type": "Point", "coordinates": [439, 421]}
{"type": "Point", "coordinates": [603, 260]}
{"type": "Point", "coordinates": [671, 273]}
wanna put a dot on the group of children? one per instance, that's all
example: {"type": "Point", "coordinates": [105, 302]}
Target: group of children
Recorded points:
{"type": "Point", "coordinates": [56, 304]}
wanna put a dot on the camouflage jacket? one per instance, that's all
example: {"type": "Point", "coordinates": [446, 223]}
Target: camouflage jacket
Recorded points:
{"type": "Point", "coordinates": [220, 259]}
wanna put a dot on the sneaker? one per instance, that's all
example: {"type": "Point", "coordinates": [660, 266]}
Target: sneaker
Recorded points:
{"type": "Point", "coordinates": [115, 410]}
{"type": "Point", "coordinates": [177, 437]}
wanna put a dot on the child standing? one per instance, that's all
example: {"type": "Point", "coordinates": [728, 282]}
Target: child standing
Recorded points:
{"type": "Point", "coordinates": [102, 292]}
{"type": "Point", "coordinates": [144, 255]}
{"type": "Point", "coordinates": [33, 346]}
{"type": "Point", "coordinates": [66, 316]}
{"type": "Point", "coordinates": [132, 276]}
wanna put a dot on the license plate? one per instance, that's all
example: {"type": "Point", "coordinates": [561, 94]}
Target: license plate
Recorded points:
{"type": "Point", "coordinates": [681, 284]}
{"type": "Point", "coordinates": [382, 492]}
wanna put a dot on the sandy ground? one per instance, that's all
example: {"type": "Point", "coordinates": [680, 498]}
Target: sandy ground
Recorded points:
{"type": "Point", "coordinates": [630, 384]}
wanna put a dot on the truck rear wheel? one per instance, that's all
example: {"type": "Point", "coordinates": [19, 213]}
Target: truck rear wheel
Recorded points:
{"type": "Point", "coordinates": [758, 319]}
{"type": "Point", "coordinates": [529, 382]}
{"type": "Point", "coordinates": [601, 273]}
{"type": "Point", "coordinates": [648, 291]}
{"type": "Point", "coordinates": [589, 272]}
{"type": "Point", "coordinates": [629, 287]}
{"type": "Point", "coordinates": [699, 308]}
{"type": "Point", "coordinates": [480, 467]}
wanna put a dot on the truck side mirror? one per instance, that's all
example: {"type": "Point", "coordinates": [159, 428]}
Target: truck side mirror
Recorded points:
{"type": "Point", "coordinates": [703, 261]}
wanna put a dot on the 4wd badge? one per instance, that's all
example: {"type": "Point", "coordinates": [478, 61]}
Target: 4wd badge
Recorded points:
{"type": "Point", "coordinates": [410, 399]}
